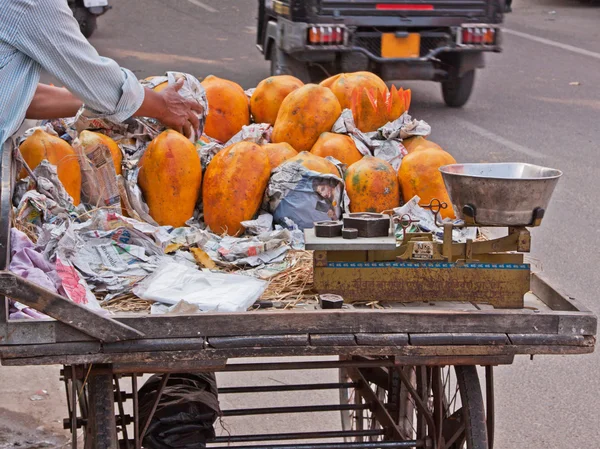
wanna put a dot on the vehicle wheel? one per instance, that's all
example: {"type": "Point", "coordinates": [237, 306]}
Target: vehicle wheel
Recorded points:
{"type": "Point", "coordinates": [283, 64]}
{"type": "Point", "coordinates": [87, 21]}
{"type": "Point", "coordinates": [451, 395]}
{"type": "Point", "coordinates": [101, 428]}
{"type": "Point", "coordinates": [457, 90]}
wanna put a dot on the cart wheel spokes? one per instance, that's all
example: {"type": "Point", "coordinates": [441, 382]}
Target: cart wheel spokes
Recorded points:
{"type": "Point", "coordinates": [438, 407]}
{"type": "Point", "coordinates": [360, 420]}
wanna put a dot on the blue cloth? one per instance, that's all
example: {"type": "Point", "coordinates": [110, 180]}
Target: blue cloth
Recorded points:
{"type": "Point", "coordinates": [43, 34]}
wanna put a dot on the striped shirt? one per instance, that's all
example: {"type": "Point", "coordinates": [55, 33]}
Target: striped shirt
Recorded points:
{"type": "Point", "coordinates": [43, 34]}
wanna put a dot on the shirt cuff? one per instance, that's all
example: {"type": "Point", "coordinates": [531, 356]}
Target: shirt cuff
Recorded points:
{"type": "Point", "coordinates": [131, 100]}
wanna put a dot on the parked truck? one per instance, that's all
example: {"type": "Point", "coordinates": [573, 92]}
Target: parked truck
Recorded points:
{"type": "Point", "coordinates": [436, 40]}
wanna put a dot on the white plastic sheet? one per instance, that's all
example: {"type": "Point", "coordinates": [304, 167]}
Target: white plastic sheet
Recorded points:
{"type": "Point", "coordinates": [220, 292]}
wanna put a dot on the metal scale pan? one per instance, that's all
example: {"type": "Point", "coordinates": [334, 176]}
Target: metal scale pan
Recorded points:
{"type": "Point", "coordinates": [500, 194]}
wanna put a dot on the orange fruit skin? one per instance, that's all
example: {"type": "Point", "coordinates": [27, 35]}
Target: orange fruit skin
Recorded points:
{"type": "Point", "coordinates": [170, 178]}
{"type": "Point", "coordinates": [339, 146]}
{"type": "Point", "coordinates": [372, 185]}
{"type": "Point", "coordinates": [419, 175]}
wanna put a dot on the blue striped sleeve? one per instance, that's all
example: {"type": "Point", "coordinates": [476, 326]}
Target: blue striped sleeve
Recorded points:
{"type": "Point", "coordinates": [50, 35]}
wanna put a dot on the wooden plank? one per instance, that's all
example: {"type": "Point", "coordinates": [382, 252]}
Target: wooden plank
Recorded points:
{"type": "Point", "coordinates": [437, 339]}
{"type": "Point", "coordinates": [258, 341]}
{"type": "Point", "coordinates": [332, 340]}
{"type": "Point", "coordinates": [394, 320]}
{"type": "Point", "coordinates": [159, 344]}
{"type": "Point", "coordinates": [344, 321]}
{"type": "Point", "coordinates": [462, 306]}
{"type": "Point", "coordinates": [52, 349]}
{"type": "Point", "coordinates": [551, 339]}
{"type": "Point", "coordinates": [59, 308]}
{"type": "Point", "coordinates": [413, 355]}
{"type": "Point", "coordinates": [552, 297]}
{"type": "Point", "coordinates": [577, 325]}
{"type": "Point", "coordinates": [382, 339]}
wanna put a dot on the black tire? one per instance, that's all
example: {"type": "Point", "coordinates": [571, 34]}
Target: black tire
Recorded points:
{"type": "Point", "coordinates": [87, 21]}
{"type": "Point", "coordinates": [101, 429]}
{"type": "Point", "coordinates": [473, 410]}
{"type": "Point", "coordinates": [283, 64]}
{"type": "Point", "coordinates": [457, 90]}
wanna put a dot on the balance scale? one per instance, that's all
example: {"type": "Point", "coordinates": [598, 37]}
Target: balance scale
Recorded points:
{"type": "Point", "coordinates": [370, 264]}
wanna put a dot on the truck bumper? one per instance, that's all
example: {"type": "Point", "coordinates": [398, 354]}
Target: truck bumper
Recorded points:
{"type": "Point", "coordinates": [362, 51]}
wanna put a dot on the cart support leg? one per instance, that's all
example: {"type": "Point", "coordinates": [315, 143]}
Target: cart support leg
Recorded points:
{"type": "Point", "coordinates": [73, 407]}
{"type": "Point", "coordinates": [489, 399]}
{"type": "Point", "coordinates": [136, 413]}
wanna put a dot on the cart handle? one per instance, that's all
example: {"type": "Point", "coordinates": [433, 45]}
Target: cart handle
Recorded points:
{"type": "Point", "coordinates": [74, 315]}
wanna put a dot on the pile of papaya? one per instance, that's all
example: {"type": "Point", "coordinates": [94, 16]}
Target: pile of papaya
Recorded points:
{"type": "Point", "coordinates": [232, 186]}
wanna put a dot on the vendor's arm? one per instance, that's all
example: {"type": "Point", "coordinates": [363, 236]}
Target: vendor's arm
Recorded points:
{"type": "Point", "coordinates": [51, 102]}
{"type": "Point", "coordinates": [50, 35]}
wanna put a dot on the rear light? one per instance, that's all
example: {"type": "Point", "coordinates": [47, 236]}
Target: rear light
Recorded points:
{"type": "Point", "coordinates": [326, 35]}
{"type": "Point", "coordinates": [479, 35]}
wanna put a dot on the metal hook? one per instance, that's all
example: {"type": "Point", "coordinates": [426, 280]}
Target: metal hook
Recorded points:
{"type": "Point", "coordinates": [435, 206]}
{"type": "Point", "coordinates": [404, 221]}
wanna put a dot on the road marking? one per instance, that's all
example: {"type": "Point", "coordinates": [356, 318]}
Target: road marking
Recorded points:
{"type": "Point", "coordinates": [203, 6]}
{"type": "Point", "coordinates": [586, 103]}
{"type": "Point", "coordinates": [500, 140]}
{"type": "Point", "coordinates": [556, 44]}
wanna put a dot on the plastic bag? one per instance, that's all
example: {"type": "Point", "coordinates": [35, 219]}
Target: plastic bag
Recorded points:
{"type": "Point", "coordinates": [186, 412]}
{"type": "Point", "coordinates": [219, 292]}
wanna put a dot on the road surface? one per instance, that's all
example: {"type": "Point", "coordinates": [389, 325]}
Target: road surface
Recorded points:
{"type": "Point", "coordinates": [538, 102]}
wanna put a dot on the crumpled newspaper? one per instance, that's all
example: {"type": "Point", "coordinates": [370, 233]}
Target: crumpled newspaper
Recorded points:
{"type": "Point", "coordinates": [427, 223]}
{"type": "Point", "coordinates": [261, 224]}
{"type": "Point", "coordinates": [107, 253]}
{"type": "Point", "coordinates": [252, 250]}
{"type": "Point", "coordinates": [385, 143]}
{"type": "Point", "coordinates": [303, 196]}
{"type": "Point", "coordinates": [172, 283]}
{"type": "Point", "coordinates": [99, 186]}
{"type": "Point", "coordinates": [35, 209]}
{"type": "Point", "coordinates": [258, 133]}
{"type": "Point", "coordinates": [132, 197]}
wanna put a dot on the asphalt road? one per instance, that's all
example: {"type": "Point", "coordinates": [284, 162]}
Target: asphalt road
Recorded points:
{"type": "Point", "coordinates": [538, 102]}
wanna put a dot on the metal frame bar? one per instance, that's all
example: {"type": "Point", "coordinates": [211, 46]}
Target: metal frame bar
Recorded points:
{"type": "Point", "coordinates": [280, 388]}
{"type": "Point", "coordinates": [293, 409]}
{"type": "Point", "coordinates": [5, 223]}
{"type": "Point", "coordinates": [282, 366]}
{"type": "Point", "coordinates": [359, 445]}
{"type": "Point", "coordinates": [490, 405]}
{"type": "Point", "coordinates": [296, 436]}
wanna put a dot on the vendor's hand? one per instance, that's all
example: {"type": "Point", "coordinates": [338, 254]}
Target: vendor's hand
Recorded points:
{"type": "Point", "coordinates": [179, 113]}
{"type": "Point", "coordinates": [171, 109]}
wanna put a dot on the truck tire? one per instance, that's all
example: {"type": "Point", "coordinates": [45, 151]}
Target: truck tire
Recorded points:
{"type": "Point", "coordinates": [283, 64]}
{"type": "Point", "coordinates": [457, 90]}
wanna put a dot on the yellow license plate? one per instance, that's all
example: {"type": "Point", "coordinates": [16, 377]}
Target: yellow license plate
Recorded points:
{"type": "Point", "coordinates": [400, 47]}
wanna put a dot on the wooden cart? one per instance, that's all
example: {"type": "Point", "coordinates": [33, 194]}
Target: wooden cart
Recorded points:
{"type": "Point", "coordinates": [407, 374]}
